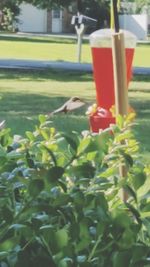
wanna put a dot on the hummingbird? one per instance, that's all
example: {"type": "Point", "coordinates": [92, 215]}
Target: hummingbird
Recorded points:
{"type": "Point", "coordinates": [73, 103]}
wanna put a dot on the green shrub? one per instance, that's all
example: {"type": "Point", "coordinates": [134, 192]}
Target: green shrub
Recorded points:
{"type": "Point", "coordinates": [9, 20]}
{"type": "Point", "coordinates": [60, 203]}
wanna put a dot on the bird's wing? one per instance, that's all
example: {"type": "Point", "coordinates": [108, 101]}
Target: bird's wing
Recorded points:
{"type": "Point", "coordinates": [70, 105]}
{"type": "Point", "coordinates": [61, 109]}
{"type": "Point", "coordinates": [75, 105]}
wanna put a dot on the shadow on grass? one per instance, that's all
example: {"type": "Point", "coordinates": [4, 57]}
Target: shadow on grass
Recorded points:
{"type": "Point", "coordinates": [64, 123]}
{"type": "Point", "coordinates": [38, 39]}
{"type": "Point", "coordinates": [37, 75]}
{"type": "Point", "coordinates": [32, 104]}
{"type": "Point", "coordinates": [142, 129]}
{"type": "Point", "coordinates": [140, 105]}
{"type": "Point", "coordinates": [58, 75]}
{"type": "Point", "coordinates": [143, 135]}
{"type": "Point", "coordinates": [141, 78]}
{"type": "Point", "coordinates": [21, 112]}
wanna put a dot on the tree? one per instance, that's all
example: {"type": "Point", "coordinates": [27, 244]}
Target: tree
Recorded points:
{"type": "Point", "coordinates": [58, 3]}
{"type": "Point", "coordinates": [13, 5]}
{"type": "Point", "coordinates": [9, 10]}
{"type": "Point", "coordinates": [140, 4]}
{"type": "Point", "coordinates": [134, 6]}
{"type": "Point", "coordinates": [48, 3]}
{"type": "Point", "coordinates": [98, 9]}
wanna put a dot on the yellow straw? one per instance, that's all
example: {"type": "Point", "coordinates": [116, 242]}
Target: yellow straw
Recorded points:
{"type": "Point", "coordinates": [118, 5]}
{"type": "Point", "coordinates": [112, 13]}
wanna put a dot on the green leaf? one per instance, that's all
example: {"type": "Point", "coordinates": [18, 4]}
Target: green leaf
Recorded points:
{"type": "Point", "coordinates": [100, 200]}
{"type": "Point", "coordinates": [102, 140]}
{"type": "Point", "coordinates": [86, 170]}
{"type": "Point", "coordinates": [3, 153]}
{"type": "Point", "coordinates": [127, 239]}
{"type": "Point", "coordinates": [5, 140]}
{"type": "Point", "coordinates": [46, 227]}
{"type": "Point", "coordinates": [85, 237]}
{"type": "Point", "coordinates": [61, 238]}
{"type": "Point", "coordinates": [48, 233]}
{"type": "Point", "coordinates": [121, 259]}
{"type": "Point", "coordinates": [83, 145]}
{"type": "Point", "coordinates": [139, 252]}
{"type": "Point", "coordinates": [111, 171]}
{"type": "Point", "coordinates": [35, 187]}
{"type": "Point", "coordinates": [92, 156]}
{"type": "Point", "coordinates": [78, 198]}
{"type": "Point", "coordinates": [130, 192]}
{"type": "Point", "coordinates": [62, 263]}
{"type": "Point", "coordinates": [146, 207]}
{"type": "Point", "coordinates": [71, 142]}
{"type": "Point", "coordinates": [9, 244]}
{"type": "Point", "coordinates": [123, 136]}
{"type": "Point", "coordinates": [45, 133]}
{"type": "Point", "coordinates": [3, 255]}
{"type": "Point", "coordinates": [66, 262]}
{"type": "Point", "coordinates": [55, 173]}
{"type": "Point", "coordinates": [121, 218]}
{"type": "Point", "coordinates": [7, 214]}
{"type": "Point", "coordinates": [42, 118]}
{"type": "Point", "coordinates": [138, 179]}
{"type": "Point", "coordinates": [30, 135]}
{"type": "Point", "coordinates": [51, 154]}
{"type": "Point", "coordinates": [128, 159]}
{"type": "Point", "coordinates": [30, 161]}
{"type": "Point", "coordinates": [17, 226]}
{"type": "Point", "coordinates": [135, 212]}
{"type": "Point", "coordinates": [145, 214]}
{"type": "Point", "coordinates": [14, 155]}
{"type": "Point", "coordinates": [120, 121]}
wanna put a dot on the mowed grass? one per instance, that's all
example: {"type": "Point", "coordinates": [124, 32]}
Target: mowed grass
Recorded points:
{"type": "Point", "coordinates": [25, 94]}
{"type": "Point", "coordinates": [44, 48]}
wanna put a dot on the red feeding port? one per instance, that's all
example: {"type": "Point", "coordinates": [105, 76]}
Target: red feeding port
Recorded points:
{"type": "Point", "coordinates": [101, 119]}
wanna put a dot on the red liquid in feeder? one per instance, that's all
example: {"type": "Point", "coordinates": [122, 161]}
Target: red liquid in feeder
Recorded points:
{"type": "Point", "coordinates": [103, 74]}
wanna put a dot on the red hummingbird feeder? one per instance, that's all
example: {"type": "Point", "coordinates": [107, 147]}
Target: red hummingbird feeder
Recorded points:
{"type": "Point", "coordinates": [103, 72]}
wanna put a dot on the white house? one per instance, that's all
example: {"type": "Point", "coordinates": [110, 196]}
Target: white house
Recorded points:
{"type": "Point", "coordinates": [137, 24]}
{"type": "Point", "coordinates": [33, 19]}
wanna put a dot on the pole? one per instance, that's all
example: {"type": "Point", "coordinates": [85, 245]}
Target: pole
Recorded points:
{"type": "Point", "coordinates": [116, 18]}
{"type": "Point", "coordinates": [80, 32]}
{"type": "Point", "coordinates": [120, 79]}
{"type": "Point", "coordinates": [79, 6]}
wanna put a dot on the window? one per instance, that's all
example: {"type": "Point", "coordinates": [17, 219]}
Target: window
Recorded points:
{"type": "Point", "coordinates": [56, 13]}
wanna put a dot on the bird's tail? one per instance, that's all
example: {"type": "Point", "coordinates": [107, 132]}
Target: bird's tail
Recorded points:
{"type": "Point", "coordinates": [2, 124]}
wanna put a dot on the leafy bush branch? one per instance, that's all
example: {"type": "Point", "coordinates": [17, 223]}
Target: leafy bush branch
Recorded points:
{"type": "Point", "coordinates": [60, 201]}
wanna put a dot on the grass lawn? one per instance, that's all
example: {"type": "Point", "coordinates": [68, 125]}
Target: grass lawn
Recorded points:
{"type": "Point", "coordinates": [25, 95]}
{"type": "Point", "coordinates": [44, 48]}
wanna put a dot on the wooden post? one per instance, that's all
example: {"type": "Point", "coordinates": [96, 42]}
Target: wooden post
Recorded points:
{"type": "Point", "coordinates": [120, 84]}
{"type": "Point", "coordinates": [120, 73]}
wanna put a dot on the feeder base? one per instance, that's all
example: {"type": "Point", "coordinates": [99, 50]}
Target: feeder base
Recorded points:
{"type": "Point", "coordinates": [99, 123]}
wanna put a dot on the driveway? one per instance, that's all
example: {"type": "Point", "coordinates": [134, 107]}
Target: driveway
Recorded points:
{"type": "Point", "coordinates": [57, 65]}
